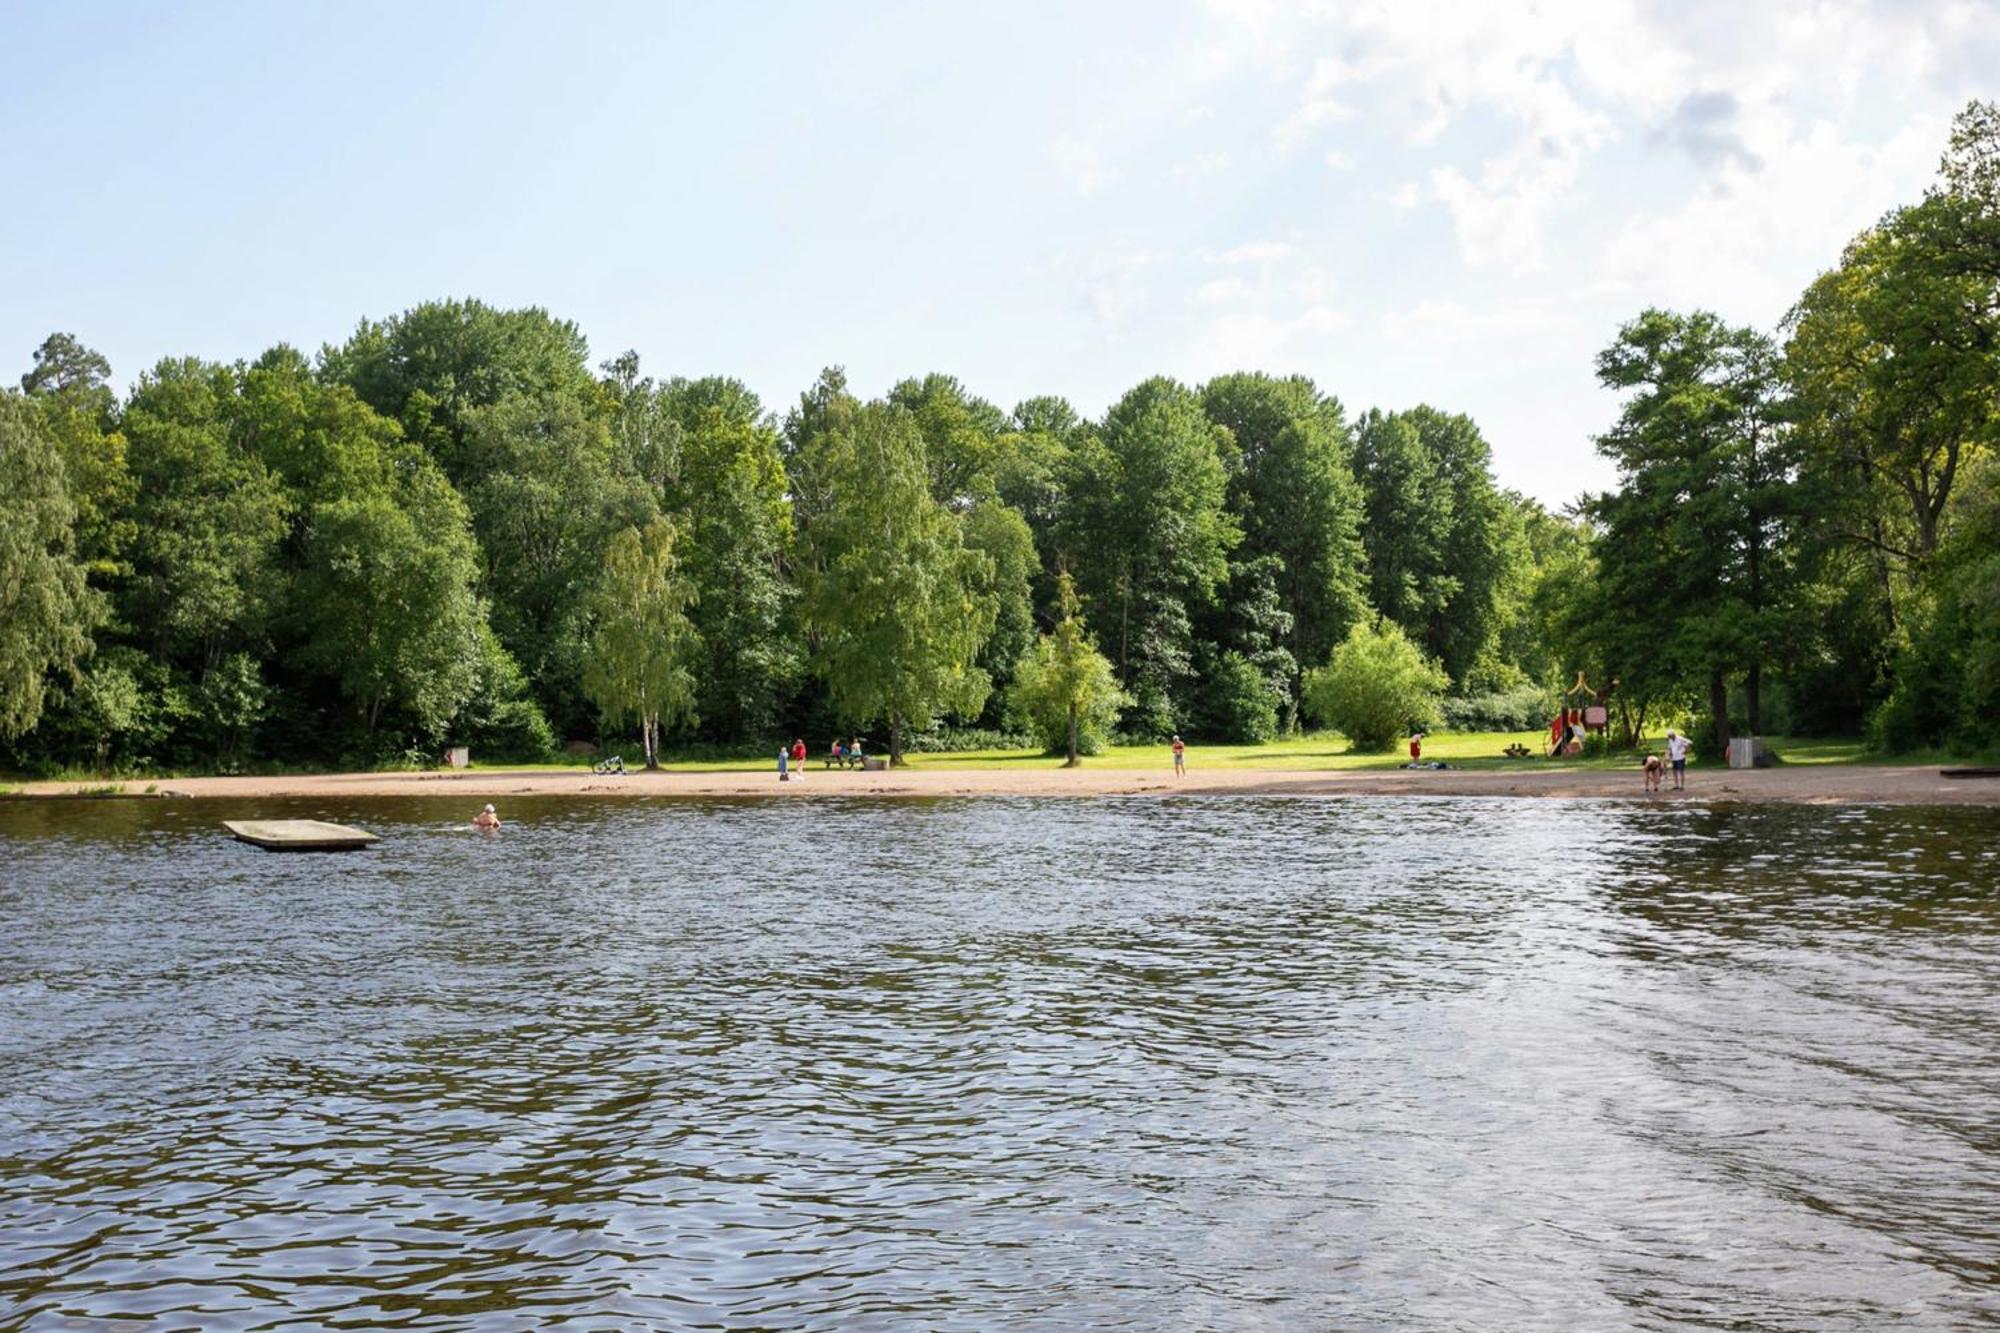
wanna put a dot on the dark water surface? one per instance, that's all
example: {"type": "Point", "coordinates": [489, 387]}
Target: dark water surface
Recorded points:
{"type": "Point", "coordinates": [1222, 1063]}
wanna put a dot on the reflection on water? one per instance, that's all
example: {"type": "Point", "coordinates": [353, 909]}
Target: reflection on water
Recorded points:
{"type": "Point", "coordinates": [1224, 1063]}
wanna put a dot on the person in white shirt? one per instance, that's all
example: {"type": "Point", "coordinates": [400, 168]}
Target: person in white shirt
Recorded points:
{"type": "Point", "coordinates": [1679, 748]}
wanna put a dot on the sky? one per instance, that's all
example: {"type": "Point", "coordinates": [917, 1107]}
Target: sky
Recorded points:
{"type": "Point", "coordinates": [1446, 203]}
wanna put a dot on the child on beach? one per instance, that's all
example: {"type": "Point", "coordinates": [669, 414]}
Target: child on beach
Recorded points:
{"type": "Point", "coordinates": [1654, 769]}
{"type": "Point", "coordinates": [1180, 758]}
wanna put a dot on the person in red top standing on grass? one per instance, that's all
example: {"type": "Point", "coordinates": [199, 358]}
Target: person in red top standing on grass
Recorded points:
{"type": "Point", "coordinates": [1416, 747]}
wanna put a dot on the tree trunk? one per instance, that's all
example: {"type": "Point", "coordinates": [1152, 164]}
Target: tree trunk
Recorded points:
{"type": "Point", "coordinates": [1753, 704]}
{"type": "Point", "coordinates": [1718, 709]}
{"type": "Point", "coordinates": [896, 740]}
{"type": "Point", "coordinates": [651, 733]}
{"type": "Point", "coordinates": [1072, 761]}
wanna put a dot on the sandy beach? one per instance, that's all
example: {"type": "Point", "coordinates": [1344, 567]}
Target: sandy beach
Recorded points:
{"type": "Point", "coordinates": [1815, 784]}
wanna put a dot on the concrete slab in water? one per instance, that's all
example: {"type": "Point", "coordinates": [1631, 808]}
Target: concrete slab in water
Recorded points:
{"type": "Point", "coordinates": [300, 835]}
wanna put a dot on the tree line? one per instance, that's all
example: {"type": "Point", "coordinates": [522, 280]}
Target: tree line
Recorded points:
{"type": "Point", "coordinates": [453, 528]}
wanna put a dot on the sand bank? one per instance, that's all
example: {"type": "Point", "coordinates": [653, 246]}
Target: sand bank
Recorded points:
{"type": "Point", "coordinates": [1816, 784]}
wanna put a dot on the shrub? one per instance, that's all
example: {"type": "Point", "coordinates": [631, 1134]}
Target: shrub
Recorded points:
{"type": "Point", "coordinates": [1236, 702]}
{"type": "Point", "coordinates": [1043, 689]}
{"type": "Point", "coordinates": [1523, 708]}
{"type": "Point", "coordinates": [943, 739]}
{"type": "Point", "coordinates": [1376, 686]}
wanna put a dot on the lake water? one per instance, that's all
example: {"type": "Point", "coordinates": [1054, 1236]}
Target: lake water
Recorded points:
{"type": "Point", "coordinates": [1139, 1063]}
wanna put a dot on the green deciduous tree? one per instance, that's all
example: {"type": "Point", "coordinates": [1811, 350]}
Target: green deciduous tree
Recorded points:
{"type": "Point", "coordinates": [1147, 529]}
{"type": "Point", "coordinates": [895, 597]}
{"type": "Point", "coordinates": [209, 518]}
{"type": "Point", "coordinates": [1294, 491]}
{"type": "Point", "coordinates": [429, 366]}
{"type": "Point", "coordinates": [1698, 536]}
{"type": "Point", "coordinates": [642, 645]}
{"type": "Point", "coordinates": [1063, 687]}
{"type": "Point", "coordinates": [387, 602]}
{"type": "Point", "coordinates": [1435, 531]}
{"type": "Point", "coordinates": [79, 412]}
{"type": "Point", "coordinates": [546, 496]}
{"type": "Point", "coordinates": [1376, 686]}
{"type": "Point", "coordinates": [734, 525]}
{"type": "Point", "coordinates": [961, 435]}
{"type": "Point", "coordinates": [46, 610]}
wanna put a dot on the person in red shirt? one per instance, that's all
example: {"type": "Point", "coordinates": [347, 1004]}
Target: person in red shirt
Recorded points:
{"type": "Point", "coordinates": [1416, 747]}
{"type": "Point", "coordinates": [799, 756]}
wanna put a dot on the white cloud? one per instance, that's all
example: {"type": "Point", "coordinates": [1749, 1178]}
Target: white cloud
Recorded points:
{"type": "Point", "coordinates": [1114, 285]}
{"type": "Point", "coordinates": [1202, 166]}
{"type": "Point", "coordinates": [1256, 252]}
{"type": "Point", "coordinates": [1083, 163]}
{"type": "Point", "coordinates": [1263, 341]}
{"type": "Point", "coordinates": [1434, 323]}
{"type": "Point", "coordinates": [1336, 160]}
{"type": "Point", "coordinates": [1402, 197]}
{"type": "Point", "coordinates": [1221, 291]}
{"type": "Point", "coordinates": [1749, 242]}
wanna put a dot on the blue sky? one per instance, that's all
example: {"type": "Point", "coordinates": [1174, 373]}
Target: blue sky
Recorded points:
{"type": "Point", "coordinates": [1453, 203]}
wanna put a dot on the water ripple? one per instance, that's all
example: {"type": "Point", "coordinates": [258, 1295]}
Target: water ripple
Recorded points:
{"type": "Point", "coordinates": [1224, 1063]}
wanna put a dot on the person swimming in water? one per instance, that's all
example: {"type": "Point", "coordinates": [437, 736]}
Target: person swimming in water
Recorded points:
{"type": "Point", "coordinates": [486, 820]}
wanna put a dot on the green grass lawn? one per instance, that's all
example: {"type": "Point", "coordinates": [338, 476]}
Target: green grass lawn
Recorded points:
{"type": "Point", "coordinates": [1321, 751]}
{"type": "Point", "coordinates": [1324, 750]}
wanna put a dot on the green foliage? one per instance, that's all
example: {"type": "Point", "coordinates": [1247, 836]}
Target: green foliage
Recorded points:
{"type": "Point", "coordinates": [46, 611]}
{"type": "Point", "coordinates": [1147, 528]}
{"type": "Point", "coordinates": [957, 740]}
{"type": "Point", "coordinates": [1523, 708]}
{"type": "Point", "coordinates": [546, 496]}
{"type": "Point", "coordinates": [1947, 690]}
{"type": "Point", "coordinates": [209, 518]}
{"type": "Point", "coordinates": [1236, 702]}
{"type": "Point", "coordinates": [1699, 541]}
{"type": "Point", "coordinates": [1437, 531]}
{"type": "Point", "coordinates": [641, 642]}
{"type": "Point", "coordinates": [1300, 506]}
{"type": "Point", "coordinates": [997, 531]}
{"type": "Point", "coordinates": [500, 719]}
{"type": "Point", "coordinates": [387, 604]}
{"type": "Point", "coordinates": [1376, 687]}
{"type": "Point", "coordinates": [1064, 690]}
{"type": "Point", "coordinates": [729, 506]}
{"type": "Point", "coordinates": [895, 599]}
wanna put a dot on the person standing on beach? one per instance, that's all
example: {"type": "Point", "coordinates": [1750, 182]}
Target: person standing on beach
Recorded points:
{"type": "Point", "coordinates": [1180, 757]}
{"type": "Point", "coordinates": [799, 755]}
{"type": "Point", "coordinates": [1679, 748]}
{"type": "Point", "coordinates": [784, 757]}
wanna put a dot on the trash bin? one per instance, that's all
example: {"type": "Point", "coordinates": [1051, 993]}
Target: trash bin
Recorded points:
{"type": "Point", "coordinates": [1746, 751]}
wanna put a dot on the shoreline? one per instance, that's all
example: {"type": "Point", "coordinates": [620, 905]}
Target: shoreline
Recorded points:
{"type": "Point", "coordinates": [1830, 784]}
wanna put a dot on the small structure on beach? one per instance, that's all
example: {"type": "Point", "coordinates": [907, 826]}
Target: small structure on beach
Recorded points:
{"type": "Point", "coordinates": [300, 835]}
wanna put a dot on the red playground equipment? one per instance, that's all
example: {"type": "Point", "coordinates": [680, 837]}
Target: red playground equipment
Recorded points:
{"type": "Point", "coordinates": [1583, 710]}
